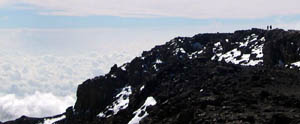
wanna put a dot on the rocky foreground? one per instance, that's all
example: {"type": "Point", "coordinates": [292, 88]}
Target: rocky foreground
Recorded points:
{"type": "Point", "coordinates": [249, 76]}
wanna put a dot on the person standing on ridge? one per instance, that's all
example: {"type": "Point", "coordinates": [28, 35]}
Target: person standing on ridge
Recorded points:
{"type": "Point", "coordinates": [270, 27]}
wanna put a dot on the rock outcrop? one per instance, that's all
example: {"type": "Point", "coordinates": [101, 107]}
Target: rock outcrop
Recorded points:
{"type": "Point", "coordinates": [249, 76]}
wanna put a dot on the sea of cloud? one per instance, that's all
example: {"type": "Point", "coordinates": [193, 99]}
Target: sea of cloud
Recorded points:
{"type": "Point", "coordinates": [44, 85]}
{"type": "Point", "coordinates": [36, 105]}
{"type": "Point", "coordinates": [29, 73]}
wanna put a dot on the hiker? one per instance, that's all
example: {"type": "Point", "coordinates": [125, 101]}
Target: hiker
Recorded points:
{"type": "Point", "coordinates": [270, 27]}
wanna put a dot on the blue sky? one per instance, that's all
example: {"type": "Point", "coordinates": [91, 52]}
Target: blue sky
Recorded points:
{"type": "Point", "coordinates": [57, 14]}
{"type": "Point", "coordinates": [137, 18]}
{"type": "Point", "coordinates": [15, 18]}
{"type": "Point", "coordinates": [30, 18]}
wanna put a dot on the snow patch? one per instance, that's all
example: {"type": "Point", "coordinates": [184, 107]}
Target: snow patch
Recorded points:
{"type": "Point", "coordinates": [123, 67]}
{"type": "Point", "coordinates": [218, 47]}
{"type": "Point", "coordinates": [179, 50]}
{"type": "Point", "coordinates": [258, 50]}
{"type": "Point", "coordinates": [158, 61]}
{"type": "Point", "coordinates": [155, 67]}
{"type": "Point", "coordinates": [180, 40]}
{"type": "Point", "coordinates": [195, 54]}
{"type": "Point", "coordinates": [217, 44]}
{"type": "Point", "coordinates": [141, 112]}
{"type": "Point", "coordinates": [113, 76]}
{"type": "Point", "coordinates": [248, 40]}
{"type": "Point", "coordinates": [230, 56]}
{"type": "Point", "coordinates": [263, 39]}
{"type": "Point", "coordinates": [142, 87]}
{"type": "Point", "coordinates": [236, 56]}
{"type": "Point", "coordinates": [297, 64]}
{"type": "Point", "coordinates": [120, 103]}
{"type": "Point", "coordinates": [52, 120]}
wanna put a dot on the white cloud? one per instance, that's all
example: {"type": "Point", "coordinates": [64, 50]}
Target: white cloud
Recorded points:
{"type": "Point", "coordinates": [35, 105]}
{"type": "Point", "coordinates": [177, 8]}
{"type": "Point", "coordinates": [23, 73]}
{"type": "Point", "coordinates": [44, 85]}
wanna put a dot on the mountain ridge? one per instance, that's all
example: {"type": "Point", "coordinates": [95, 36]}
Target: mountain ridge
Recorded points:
{"type": "Point", "coordinates": [249, 76]}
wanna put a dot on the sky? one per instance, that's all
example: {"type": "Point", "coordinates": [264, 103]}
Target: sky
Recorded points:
{"type": "Point", "coordinates": [48, 47]}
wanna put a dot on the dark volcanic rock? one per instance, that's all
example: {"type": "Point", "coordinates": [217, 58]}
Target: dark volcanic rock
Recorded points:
{"type": "Point", "coordinates": [249, 76]}
{"type": "Point", "coordinates": [26, 120]}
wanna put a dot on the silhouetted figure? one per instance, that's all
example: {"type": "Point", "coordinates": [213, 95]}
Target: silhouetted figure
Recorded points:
{"type": "Point", "coordinates": [270, 27]}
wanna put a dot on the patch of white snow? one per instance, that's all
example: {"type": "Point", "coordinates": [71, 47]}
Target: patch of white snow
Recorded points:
{"type": "Point", "coordinates": [120, 103]}
{"type": "Point", "coordinates": [52, 120]}
{"type": "Point", "coordinates": [123, 67]}
{"type": "Point", "coordinates": [158, 61]}
{"type": "Point", "coordinates": [297, 64]}
{"type": "Point", "coordinates": [150, 101]}
{"type": "Point", "coordinates": [142, 87]}
{"type": "Point", "coordinates": [113, 76]}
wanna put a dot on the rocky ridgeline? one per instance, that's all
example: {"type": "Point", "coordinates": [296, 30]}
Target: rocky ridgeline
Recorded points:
{"type": "Point", "coordinates": [249, 76]}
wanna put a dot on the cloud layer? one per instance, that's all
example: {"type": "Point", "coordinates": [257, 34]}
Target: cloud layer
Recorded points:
{"type": "Point", "coordinates": [48, 73]}
{"type": "Point", "coordinates": [35, 105]}
{"type": "Point", "coordinates": [45, 85]}
{"type": "Point", "coordinates": [165, 8]}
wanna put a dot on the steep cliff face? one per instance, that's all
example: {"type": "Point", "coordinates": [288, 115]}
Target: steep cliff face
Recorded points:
{"type": "Point", "coordinates": [249, 76]}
